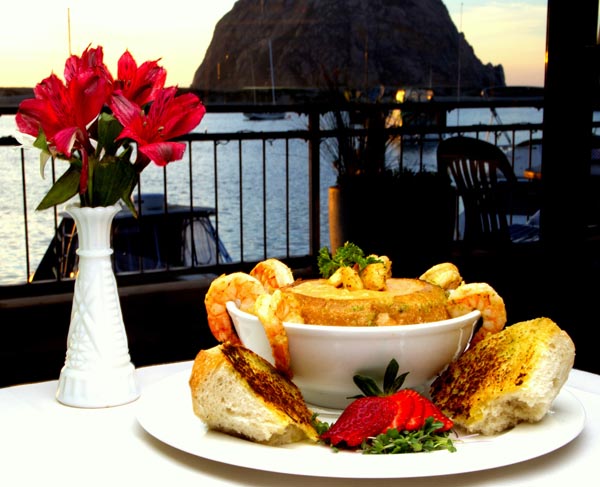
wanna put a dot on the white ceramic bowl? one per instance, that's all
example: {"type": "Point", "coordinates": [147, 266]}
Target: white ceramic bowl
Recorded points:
{"type": "Point", "coordinates": [325, 358]}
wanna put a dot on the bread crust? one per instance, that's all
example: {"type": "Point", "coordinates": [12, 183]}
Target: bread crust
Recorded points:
{"type": "Point", "coordinates": [509, 377]}
{"type": "Point", "coordinates": [405, 301]}
{"type": "Point", "coordinates": [238, 392]}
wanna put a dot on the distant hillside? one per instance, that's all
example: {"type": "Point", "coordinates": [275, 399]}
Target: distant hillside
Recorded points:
{"type": "Point", "coordinates": [411, 43]}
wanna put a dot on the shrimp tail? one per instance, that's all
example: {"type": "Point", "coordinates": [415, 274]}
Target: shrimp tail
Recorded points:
{"type": "Point", "coordinates": [270, 308]}
{"type": "Point", "coordinates": [273, 274]}
{"type": "Point", "coordinates": [479, 296]}
{"type": "Point", "coordinates": [237, 287]}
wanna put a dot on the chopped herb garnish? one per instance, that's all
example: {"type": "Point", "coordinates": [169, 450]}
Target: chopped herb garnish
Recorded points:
{"type": "Point", "coordinates": [346, 256]}
{"type": "Point", "coordinates": [421, 440]}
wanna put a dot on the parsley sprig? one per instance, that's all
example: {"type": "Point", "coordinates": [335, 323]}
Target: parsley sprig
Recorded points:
{"type": "Point", "coordinates": [320, 426]}
{"type": "Point", "coordinates": [422, 440]}
{"type": "Point", "coordinates": [347, 256]}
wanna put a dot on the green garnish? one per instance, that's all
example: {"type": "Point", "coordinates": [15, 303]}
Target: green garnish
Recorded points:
{"type": "Point", "coordinates": [422, 440]}
{"type": "Point", "coordinates": [346, 256]}
{"type": "Point", "coordinates": [320, 426]}
{"type": "Point", "coordinates": [392, 382]}
{"type": "Point", "coordinates": [393, 441]}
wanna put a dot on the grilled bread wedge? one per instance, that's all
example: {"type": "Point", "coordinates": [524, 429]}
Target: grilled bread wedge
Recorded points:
{"type": "Point", "coordinates": [509, 377]}
{"type": "Point", "coordinates": [239, 393]}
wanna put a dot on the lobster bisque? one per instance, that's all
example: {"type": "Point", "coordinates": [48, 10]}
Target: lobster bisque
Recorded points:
{"type": "Point", "coordinates": [405, 301]}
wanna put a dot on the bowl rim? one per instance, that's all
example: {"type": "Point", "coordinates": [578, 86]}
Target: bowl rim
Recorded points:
{"type": "Point", "coordinates": [419, 328]}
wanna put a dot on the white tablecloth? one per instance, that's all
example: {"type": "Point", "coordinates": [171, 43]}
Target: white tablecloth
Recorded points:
{"type": "Point", "coordinates": [45, 443]}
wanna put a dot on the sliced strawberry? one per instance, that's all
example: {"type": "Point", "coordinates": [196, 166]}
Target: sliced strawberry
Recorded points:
{"type": "Point", "coordinates": [380, 410]}
{"type": "Point", "coordinates": [414, 409]}
{"type": "Point", "coordinates": [438, 415]}
{"type": "Point", "coordinates": [417, 418]}
{"type": "Point", "coordinates": [363, 418]}
{"type": "Point", "coordinates": [405, 405]}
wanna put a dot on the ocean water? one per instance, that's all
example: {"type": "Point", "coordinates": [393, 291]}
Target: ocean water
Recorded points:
{"type": "Point", "coordinates": [285, 182]}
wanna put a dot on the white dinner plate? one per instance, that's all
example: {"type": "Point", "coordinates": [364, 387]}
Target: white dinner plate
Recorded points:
{"type": "Point", "coordinates": [165, 412]}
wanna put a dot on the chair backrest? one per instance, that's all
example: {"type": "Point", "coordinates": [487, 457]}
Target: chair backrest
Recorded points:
{"type": "Point", "coordinates": [484, 179]}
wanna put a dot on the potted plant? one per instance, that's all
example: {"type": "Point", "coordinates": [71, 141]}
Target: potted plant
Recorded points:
{"type": "Point", "coordinates": [403, 213]}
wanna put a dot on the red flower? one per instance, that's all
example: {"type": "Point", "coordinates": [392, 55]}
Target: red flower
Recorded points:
{"type": "Point", "coordinates": [70, 120]}
{"type": "Point", "coordinates": [62, 111]}
{"type": "Point", "coordinates": [90, 60]}
{"type": "Point", "coordinates": [168, 117]}
{"type": "Point", "coordinates": [140, 85]}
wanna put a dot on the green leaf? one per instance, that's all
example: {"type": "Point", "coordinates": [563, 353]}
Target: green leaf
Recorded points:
{"type": "Point", "coordinates": [389, 377]}
{"type": "Point", "coordinates": [399, 381]}
{"type": "Point", "coordinates": [111, 179]}
{"type": "Point", "coordinates": [326, 265]}
{"type": "Point", "coordinates": [129, 203]}
{"type": "Point", "coordinates": [320, 426]}
{"type": "Point", "coordinates": [346, 256]}
{"type": "Point", "coordinates": [391, 383]}
{"type": "Point", "coordinates": [63, 189]}
{"type": "Point", "coordinates": [109, 129]}
{"type": "Point", "coordinates": [44, 157]}
{"type": "Point", "coordinates": [41, 143]}
{"type": "Point", "coordinates": [367, 385]}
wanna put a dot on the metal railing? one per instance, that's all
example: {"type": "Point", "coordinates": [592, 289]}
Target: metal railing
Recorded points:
{"type": "Point", "coordinates": [268, 188]}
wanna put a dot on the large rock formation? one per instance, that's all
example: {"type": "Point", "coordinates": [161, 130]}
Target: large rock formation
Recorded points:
{"type": "Point", "coordinates": [395, 43]}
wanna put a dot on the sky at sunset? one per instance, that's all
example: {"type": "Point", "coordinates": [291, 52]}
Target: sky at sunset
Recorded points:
{"type": "Point", "coordinates": [34, 38]}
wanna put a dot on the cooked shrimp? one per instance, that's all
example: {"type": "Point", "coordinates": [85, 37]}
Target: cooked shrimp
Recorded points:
{"type": "Point", "coordinates": [481, 296]}
{"type": "Point", "coordinates": [374, 276]}
{"type": "Point", "coordinates": [445, 275]}
{"type": "Point", "coordinates": [239, 287]}
{"type": "Point", "coordinates": [346, 277]}
{"type": "Point", "coordinates": [272, 310]}
{"type": "Point", "coordinates": [273, 274]}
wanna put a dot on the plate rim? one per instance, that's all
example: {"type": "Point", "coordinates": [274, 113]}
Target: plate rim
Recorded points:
{"type": "Point", "coordinates": [563, 423]}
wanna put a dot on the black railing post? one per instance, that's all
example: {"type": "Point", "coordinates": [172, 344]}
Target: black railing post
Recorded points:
{"type": "Point", "coordinates": [314, 177]}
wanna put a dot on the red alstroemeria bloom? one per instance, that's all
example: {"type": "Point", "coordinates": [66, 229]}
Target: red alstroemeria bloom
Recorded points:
{"type": "Point", "coordinates": [169, 116]}
{"type": "Point", "coordinates": [64, 111]}
{"type": "Point", "coordinates": [139, 84]}
{"type": "Point", "coordinates": [38, 113]}
{"type": "Point", "coordinates": [90, 60]}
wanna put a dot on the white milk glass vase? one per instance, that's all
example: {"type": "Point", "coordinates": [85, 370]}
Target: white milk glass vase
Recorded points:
{"type": "Point", "coordinates": [98, 371]}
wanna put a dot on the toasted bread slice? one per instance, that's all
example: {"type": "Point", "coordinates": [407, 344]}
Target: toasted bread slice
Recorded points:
{"type": "Point", "coordinates": [237, 392]}
{"type": "Point", "coordinates": [405, 301]}
{"type": "Point", "coordinates": [510, 377]}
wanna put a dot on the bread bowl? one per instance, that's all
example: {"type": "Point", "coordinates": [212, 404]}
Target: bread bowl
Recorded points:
{"type": "Point", "coordinates": [404, 301]}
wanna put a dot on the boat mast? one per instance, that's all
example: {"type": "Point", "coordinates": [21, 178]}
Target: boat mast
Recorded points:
{"type": "Point", "coordinates": [459, 65]}
{"type": "Point", "coordinates": [69, 29]}
{"type": "Point", "coordinates": [272, 72]}
{"type": "Point", "coordinates": [262, 11]}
